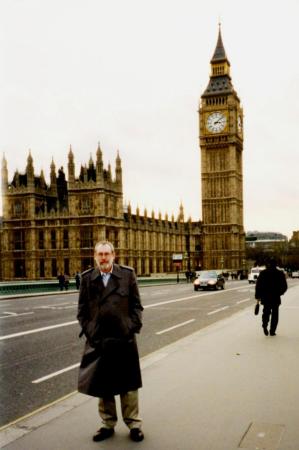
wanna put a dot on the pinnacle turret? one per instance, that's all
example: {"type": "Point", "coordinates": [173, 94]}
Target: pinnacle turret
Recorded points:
{"type": "Point", "coordinates": [30, 171]}
{"type": "Point", "coordinates": [71, 166]}
{"type": "Point", "coordinates": [4, 174]}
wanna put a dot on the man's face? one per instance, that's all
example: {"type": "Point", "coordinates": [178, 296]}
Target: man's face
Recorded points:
{"type": "Point", "coordinates": [104, 257]}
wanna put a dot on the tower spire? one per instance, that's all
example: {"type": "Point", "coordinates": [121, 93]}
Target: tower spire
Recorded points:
{"type": "Point", "coordinates": [220, 80]}
{"type": "Point", "coordinates": [219, 53]}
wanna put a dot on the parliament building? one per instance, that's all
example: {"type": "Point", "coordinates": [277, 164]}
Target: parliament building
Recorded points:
{"type": "Point", "coordinates": [52, 228]}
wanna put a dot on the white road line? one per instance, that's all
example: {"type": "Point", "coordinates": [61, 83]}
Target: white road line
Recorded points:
{"type": "Point", "coordinates": [217, 310]}
{"type": "Point", "coordinates": [170, 301]}
{"type": "Point", "coordinates": [37, 330]}
{"type": "Point", "coordinates": [52, 304]}
{"type": "Point", "coordinates": [188, 298]}
{"type": "Point", "coordinates": [15, 314]}
{"type": "Point", "coordinates": [175, 326]}
{"type": "Point", "coordinates": [54, 374]}
{"type": "Point", "coordinates": [242, 301]}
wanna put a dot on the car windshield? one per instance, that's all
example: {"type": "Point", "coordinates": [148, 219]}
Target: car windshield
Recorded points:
{"type": "Point", "coordinates": [208, 274]}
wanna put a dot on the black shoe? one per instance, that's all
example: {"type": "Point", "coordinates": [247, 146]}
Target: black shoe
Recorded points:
{"type": "Point", "coordinates": [266, 331]}
{"type": "Point", "coordinates": [102, 434]}
{"type": "Point", "coordinates": [136, 435]}
{"type": "Point", "coordinates": [272, 333]}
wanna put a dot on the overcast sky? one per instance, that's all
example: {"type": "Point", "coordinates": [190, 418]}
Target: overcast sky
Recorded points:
{"type": "Point", "coordinates": [130, 74]}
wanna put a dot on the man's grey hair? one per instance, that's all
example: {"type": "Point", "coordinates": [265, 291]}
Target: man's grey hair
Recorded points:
{"type": "Point", "coordinates": [100, 243]}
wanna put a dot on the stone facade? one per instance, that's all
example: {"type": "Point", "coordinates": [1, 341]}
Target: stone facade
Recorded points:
{"type": "Point", "coordinates": [221, 144]}
{"type": "Point", "coordinates": [52, 229]}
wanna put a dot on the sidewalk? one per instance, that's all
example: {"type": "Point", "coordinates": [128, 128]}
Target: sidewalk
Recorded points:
{"type": "Point", "coordinates": [223, 388]}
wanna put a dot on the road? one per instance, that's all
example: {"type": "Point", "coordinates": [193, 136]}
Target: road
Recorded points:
{"type": "Point", "coordinates": [40, 348]}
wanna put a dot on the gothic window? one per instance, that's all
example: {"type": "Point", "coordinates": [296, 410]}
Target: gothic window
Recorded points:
{"type": "Point", "coordinates": [86, 237]}
{"type": "Point", "coordinates": [19, 239]}
{"type": "Point", "coordinates": [19, 268]}
{"type": "Point", "coordinates": [53, 239]}
{"type": "Point", "coordinates": [18, 208]}
{"type": "Point", "coordinates": [65, 239]}
{"type": "Point", "coordinates": [41, 268]}
{"type": "Point", "coordinates": [67, 266]}
{"type": "Point", "coordinates": [86, 263]}
{"type": "Point", "coordinates": [54, 268]}
{"type": "Point", "coordinates": [41, 244]}
{"type": "Point", "coordinates": [86, 204]}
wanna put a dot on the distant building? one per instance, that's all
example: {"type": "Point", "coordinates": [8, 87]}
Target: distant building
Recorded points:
{"type": "Point", "coordinates": [53, 228]}
{"type": "Point", "coordinates": [266, 241]}
{"type": "Point", "coordinates": [294, 241]}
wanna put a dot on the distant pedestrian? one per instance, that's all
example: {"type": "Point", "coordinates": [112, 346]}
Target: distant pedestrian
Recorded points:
{"type": "Point", "coordinates": [109, 313]}
{"type": "Point", "coordinates": [61, 281]}
{"type": "Point", "coordinates": [187, 275]}
{"type": "Point", "coordinates": [77, 280]}
{"type": "Point", "coordinates": [270, 285]}
{"type": "Point", "coordinates": [66, 281]}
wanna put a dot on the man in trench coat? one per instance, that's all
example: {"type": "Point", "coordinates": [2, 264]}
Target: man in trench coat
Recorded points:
{"type": "Point", "coordinates": [109, 313]}
{"type": "Point", "coordinates": [270, 285]}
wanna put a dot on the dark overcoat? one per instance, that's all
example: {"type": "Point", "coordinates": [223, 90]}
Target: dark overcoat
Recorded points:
{"type": "Point", "coordinates": [270, 285]}
{"type": "Point", "coordinates": [109, 317]}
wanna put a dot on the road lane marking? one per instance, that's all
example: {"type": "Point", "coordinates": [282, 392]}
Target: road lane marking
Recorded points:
{"type": "Point", "coordinates": [155, 293]}
{"type": "Point", "coordinates": [175, 326]}
{"type": "Point", "coordinates": [217, 310]}
{"type": "Point", "coordinates": [54, 374]}
{"type": "Point", "coordinates": [242, 301]}
{"type": "Point", "coordinates": [11, 314]}
{"type": "Point", "coordinates": [57, 307]}
{"type": "Point", "coordinates": [37, 330]}
{"type": "Point", "coordinates": [152, 305]}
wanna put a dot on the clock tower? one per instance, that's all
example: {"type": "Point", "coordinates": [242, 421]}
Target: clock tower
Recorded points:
{"type": "Point", "coordinates": [221, 145]}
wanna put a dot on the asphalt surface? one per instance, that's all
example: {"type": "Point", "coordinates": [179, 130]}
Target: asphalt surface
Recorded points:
{"type": "Point", "coordinates": [224, 387]}
{"type": "Point", "coordinates": [39, 362]}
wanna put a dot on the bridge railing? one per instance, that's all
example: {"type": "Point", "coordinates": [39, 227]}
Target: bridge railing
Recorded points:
{"type": "Point", "coordinates": [35, 287]}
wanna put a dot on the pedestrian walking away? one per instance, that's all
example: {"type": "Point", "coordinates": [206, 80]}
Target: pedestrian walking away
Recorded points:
{"type": "Point", "coordinates": [110, 314]}
{"type": "Point", "coordinates": [61, 280]}
{"type": "Point", "coordinates": [77, 280]}
{"type": "Point", "coordinates": [66, 281]}
{"type": "Point", "coordinates": [270, 285]}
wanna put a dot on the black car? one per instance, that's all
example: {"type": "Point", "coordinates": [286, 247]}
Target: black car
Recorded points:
{"type": "Point", "coordinates": [209, 279]}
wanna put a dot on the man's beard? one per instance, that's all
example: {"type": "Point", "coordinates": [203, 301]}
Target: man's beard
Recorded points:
{"type": "Point", "coordinates": [105, 265]}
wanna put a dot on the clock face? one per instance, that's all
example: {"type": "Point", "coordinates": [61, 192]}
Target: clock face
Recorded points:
{"type": "Point", "coordinates": [216, 122]}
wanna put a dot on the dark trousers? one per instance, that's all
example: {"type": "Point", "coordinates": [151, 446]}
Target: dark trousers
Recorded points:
{"type": "Point", "coordinates": [270, 310]}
